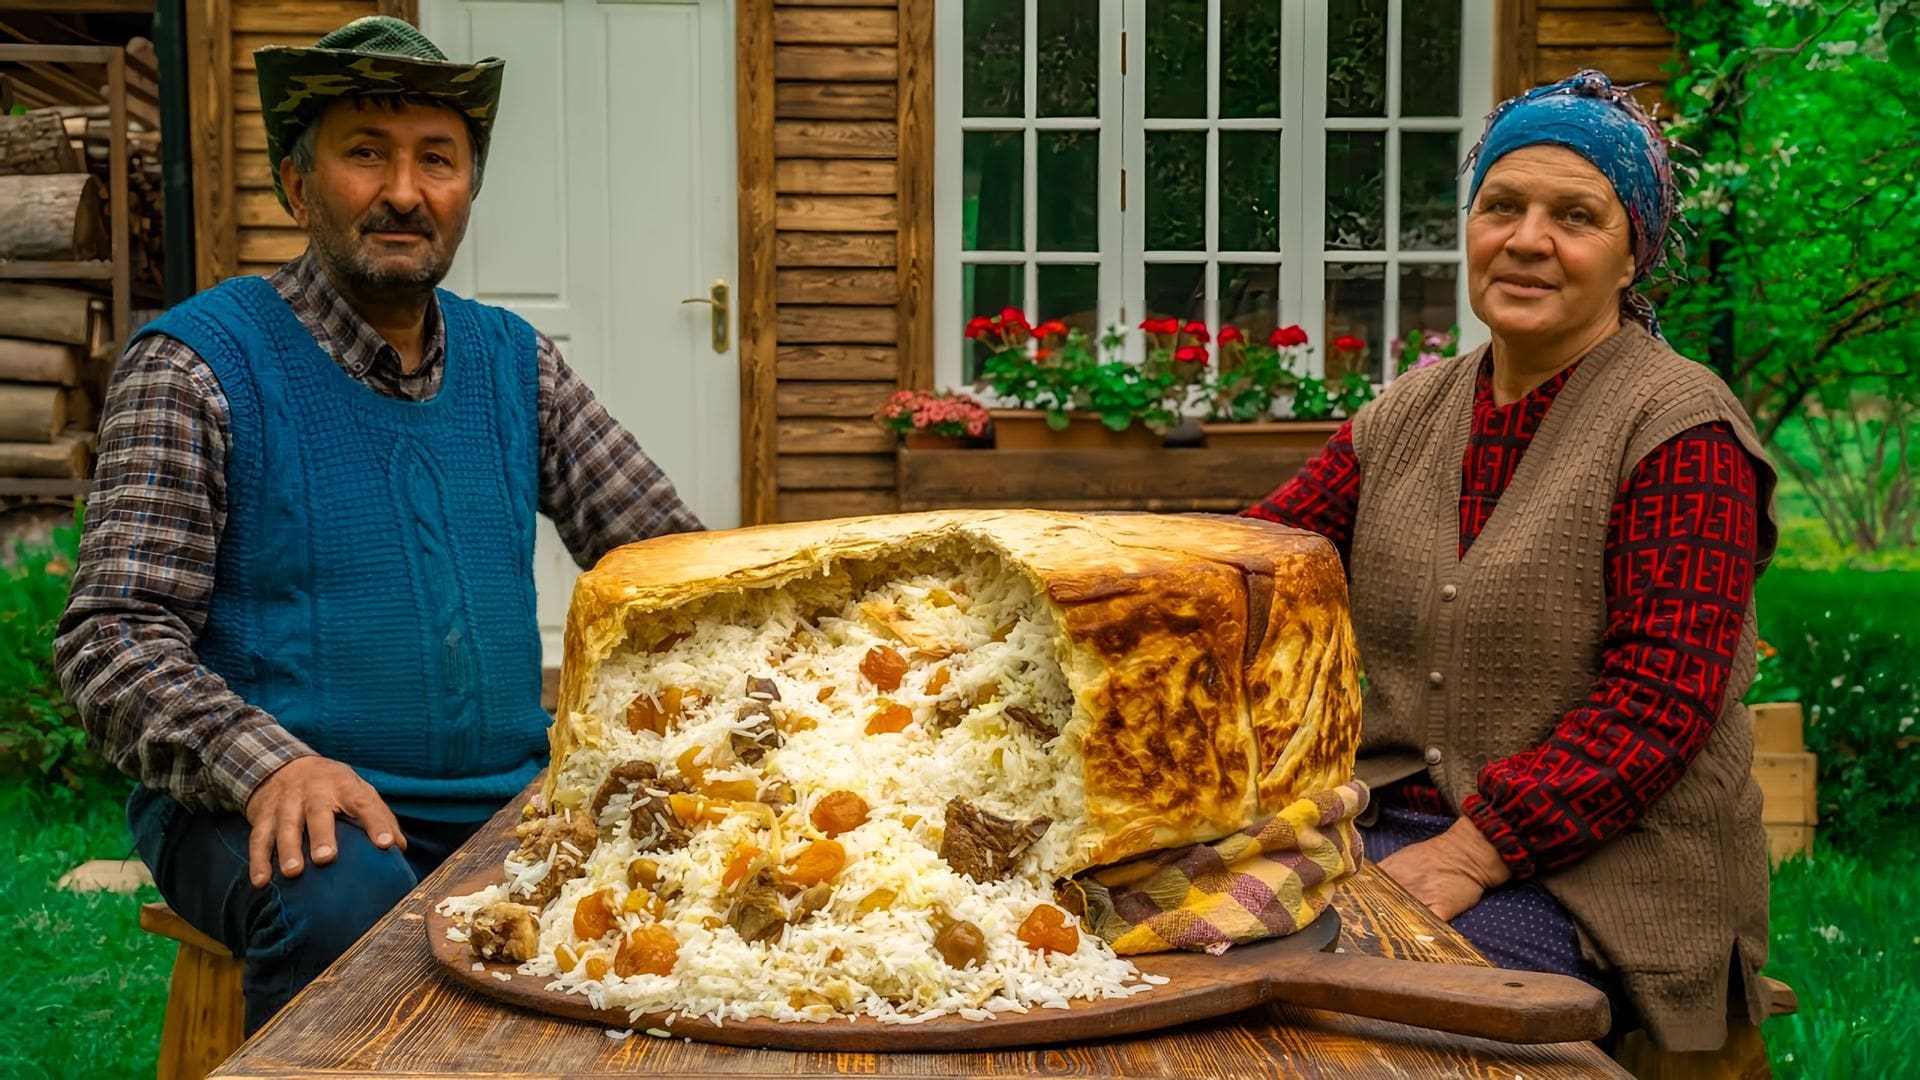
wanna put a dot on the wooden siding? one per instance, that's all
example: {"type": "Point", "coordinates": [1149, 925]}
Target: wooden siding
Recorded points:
{"type": "Point", "coordinates": [239, 224]}
{"type": "Point", "coordinates": [1545, 40]}
{"type": "Point", "coordinates": [836, 216]}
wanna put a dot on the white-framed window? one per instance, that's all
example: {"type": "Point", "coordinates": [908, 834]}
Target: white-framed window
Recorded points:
{"type": "Point", "coordinates": [1253, 162]}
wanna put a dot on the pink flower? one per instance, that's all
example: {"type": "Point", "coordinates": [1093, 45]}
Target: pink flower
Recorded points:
{"type": "Point", "coordinates": [1232, 335]}
{"type": "Point", "coordinates": [1425, 359]}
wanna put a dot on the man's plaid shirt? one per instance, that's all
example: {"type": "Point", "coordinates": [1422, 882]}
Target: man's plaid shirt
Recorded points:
{"type": "Point", "coordinates": [125, 649]}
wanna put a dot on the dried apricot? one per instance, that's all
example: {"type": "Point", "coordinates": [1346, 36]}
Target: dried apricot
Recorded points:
{"type": "Point", "coordinates": [689, 765]}
{"type": "Point", "coordinates": [824, 693]}
{"type": "Point", "coordinates": [643, 874]}
{"type": "Point", "coordinates": [877, 900]}
{"type": "Point", "coordinates": [636, 901]}
{"type": "Point", "coordinates": [838, 812]}
{"type": "Point", "coordinates": [593, 915]}
{"type": "Point", "coordinates": [596, 967]}
{"type": "Point", "coordinates": [738, 866]}
{"type": "Point", "coordinates": [1046, 929]}
{"type": "Point", "coordinates": [563, 958]}
{"type": "Point", "coordinates": [732, 790]}
{"type": "Point", "coordinates": [650, 950]}
{"type": "Point", "coordinates": [889, 719]}
{"type": "Point", "coordinates": [818, 862]}
{"type": "Point", "coordinates": [694, 810]}
{"type": "Point", "coordinates": [938, 680]}
{"type": "Point", "coordinates": [644, 715]}
{"type": "Point", "coordinates": [883, 667]}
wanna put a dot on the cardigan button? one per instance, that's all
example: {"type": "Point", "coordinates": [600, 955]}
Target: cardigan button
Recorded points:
{"type": "Point", "coordinates": [1433, 755]}
{"type": "Point", "coordinates": [1436, 678]}
{"type": "Point", "coordinates": [1448, 592]}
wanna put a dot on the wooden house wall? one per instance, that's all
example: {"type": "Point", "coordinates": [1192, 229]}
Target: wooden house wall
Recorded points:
{"type": "Point", "coordinates": [836, 222]}
{"type": "Point", "coordinates": [1545, 40]}
{"type": "Point", "coordinates": [239, 225]}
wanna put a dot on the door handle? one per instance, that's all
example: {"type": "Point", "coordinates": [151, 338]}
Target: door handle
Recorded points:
{"type": "Point", "coordinates": [721, 312]}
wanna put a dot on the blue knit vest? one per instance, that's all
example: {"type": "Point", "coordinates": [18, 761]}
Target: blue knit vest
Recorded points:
{"type": "Point", "coordinates": [374, 584]}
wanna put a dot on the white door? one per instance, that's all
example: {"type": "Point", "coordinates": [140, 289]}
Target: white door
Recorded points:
{"type": "Point", "coordinates": [608, 199]}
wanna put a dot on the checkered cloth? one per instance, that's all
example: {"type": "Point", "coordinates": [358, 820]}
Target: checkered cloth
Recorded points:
{"type": "Point", "coordinates": [1264, 881]}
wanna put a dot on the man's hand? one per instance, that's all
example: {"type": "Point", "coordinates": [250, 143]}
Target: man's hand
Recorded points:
{"type": "Point", "coordinates": [1450, 872]}
{"type": "Point", "coordinates": [303, 797]}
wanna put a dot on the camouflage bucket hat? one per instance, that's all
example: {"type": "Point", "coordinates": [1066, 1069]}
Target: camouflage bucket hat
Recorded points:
{"type": "Point", "coordinates": [375, 55]}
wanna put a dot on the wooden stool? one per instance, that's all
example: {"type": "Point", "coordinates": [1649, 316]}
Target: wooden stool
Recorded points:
{"type": "Point", "coordinates": [206, 1013]}
{"type": "Point", "coordinates": [1744, 1057]}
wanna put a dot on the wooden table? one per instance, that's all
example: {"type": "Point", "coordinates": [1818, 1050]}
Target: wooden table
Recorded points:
{"type": "Point", "coordinates": [384, 1010]}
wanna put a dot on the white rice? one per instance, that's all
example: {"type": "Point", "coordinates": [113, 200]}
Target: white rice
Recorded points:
{"type": "Point", "coordinates": [880, 964]}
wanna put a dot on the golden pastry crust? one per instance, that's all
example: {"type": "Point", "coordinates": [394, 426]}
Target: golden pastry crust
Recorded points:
{"type": "Point", "coordinates": [1211, 657]}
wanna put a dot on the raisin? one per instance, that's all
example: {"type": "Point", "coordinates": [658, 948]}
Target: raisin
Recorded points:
{"type": "Point", "coordinates": [883, 667]}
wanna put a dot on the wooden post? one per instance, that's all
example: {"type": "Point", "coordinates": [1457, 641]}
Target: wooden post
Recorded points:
{"type": "Point", "coordinates": [206, 1017]}
{"type": "Point", "coordinates": [754, 92]}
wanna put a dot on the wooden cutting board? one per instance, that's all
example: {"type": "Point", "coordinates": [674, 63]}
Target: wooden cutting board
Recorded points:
{"type": "Point", "coordinates": [1511, 1006]}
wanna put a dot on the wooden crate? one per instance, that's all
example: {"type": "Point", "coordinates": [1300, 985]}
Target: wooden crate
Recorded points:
{"type": "Point", "coordinates": [1786, 774]}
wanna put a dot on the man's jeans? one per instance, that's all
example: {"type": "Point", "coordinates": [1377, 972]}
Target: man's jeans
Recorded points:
{"type": "Point", "coordinates": [290, 930]}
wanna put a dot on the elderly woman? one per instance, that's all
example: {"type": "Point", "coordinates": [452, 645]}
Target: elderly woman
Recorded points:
{"type": "Point", "coordinates": [1552, 543]}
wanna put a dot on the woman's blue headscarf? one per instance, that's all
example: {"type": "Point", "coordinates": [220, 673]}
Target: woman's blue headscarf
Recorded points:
{"type": "Point", "coordinates": [1587, 114]}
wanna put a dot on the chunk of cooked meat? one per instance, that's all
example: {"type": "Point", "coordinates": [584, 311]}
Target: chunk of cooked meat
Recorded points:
{"type": "Point", "coordinates": [762, 689]}
{"type": "Point", "coordinates": [1026, 718]}
{"type": "Point", "coordinates": [505, 932]}
{"type": "Point", "coordinates": [947, 713]}
{"type": "Point", "coordinates": [622, 779]}
{"type": "Point", "coordinates": [759, 735]}
{"type": "Point", "coordinates": [815, 898]}
{"type": "Point", "coordinates": [984, 846]}
{"type": "Point", "coordinates": [565, 840]}
{"type": "Point", "coordinates": [757, 913]}
{"type": "Point", "coordinates": [652, 823]}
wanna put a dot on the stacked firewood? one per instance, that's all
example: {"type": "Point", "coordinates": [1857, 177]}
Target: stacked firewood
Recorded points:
{"type": "Point", "coordinates": [49, 383]}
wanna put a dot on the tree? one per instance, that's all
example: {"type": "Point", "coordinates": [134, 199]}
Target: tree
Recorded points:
{"type": "Point", "coordinates": [1802, 280]}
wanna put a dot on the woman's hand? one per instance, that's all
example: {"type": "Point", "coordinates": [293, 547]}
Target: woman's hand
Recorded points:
{"type": "Point", "coordinates": [1450, 872]}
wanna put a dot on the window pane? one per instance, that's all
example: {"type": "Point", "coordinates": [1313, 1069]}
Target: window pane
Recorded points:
{"type": "Point", "coordinates": [1357, 57]}
{"type": "Point", "coordinates": [1427, 297]}
{"type": "Point", "coordinates": [992, 191]}
{"type": "Point", "coordinates": [1072, 295]}
{"type": "Point", "coordinates": [1250, 298]}
{"type": "Point", "coordinates": [1176, 57]}
{"type": "Point", "coordinates": [1249, 191]}
{"type": "Point", "coordinates": [1176, 190]}
{"type": "Point", "coordinates": [1066, 55]}
{"type": "Point", "coordinates": [1178, 290]}
{"type": "Point", "coordinates": [1356, 191]}
{"type": "Point", "coordinates": [985, 290]}
{"type": "Point", "coordinates": [994, 68]}
{"type": "Point", "coordinates": [1249, 58]}
{"type": "Point", "coordinates": [1356, 307]}
{"type": "Point", "coordinates": [1069, 188]}
{"type": "Point", "coordinates": [1429, 190]}
{"type": "Point", "coordinates": [1430, 57]}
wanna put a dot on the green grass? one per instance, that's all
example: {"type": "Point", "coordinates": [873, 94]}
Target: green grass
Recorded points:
{"type": "Point", "coordinates": [84, 988]}
{"type": "Point", "coordinates": [1846, 937]}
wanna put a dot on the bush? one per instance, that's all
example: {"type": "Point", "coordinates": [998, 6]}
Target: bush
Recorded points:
{"type": "Point", "coordinates": [1843, 644]}
{"type": "Point", "coordinates": [41, 742]}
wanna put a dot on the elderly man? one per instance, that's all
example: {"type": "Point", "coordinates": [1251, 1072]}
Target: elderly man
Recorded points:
{"type": "Point", "coordinates": [303, 617]}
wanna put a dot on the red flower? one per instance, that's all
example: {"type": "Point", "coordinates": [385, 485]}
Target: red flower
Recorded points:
{"type": "Point", "coordinates": [1042, 354]}
{"type": "Point", "coordinates": [978, 326]}
{"type": "Point", "coordinates": [1232, 335]}
{"type": "Point", "coordinates": [1050, 328]}
{"type": "Point", "coordinates": [1287, 337]}
{"type": "Point", "coordinates": [1348, 343]}
{"type": "Point", "coordinates": [1015, 317]}
{"type": "Point", "coordinates": [1198, 330]}
{"type": "Point", "coordinates": [1190, 354]}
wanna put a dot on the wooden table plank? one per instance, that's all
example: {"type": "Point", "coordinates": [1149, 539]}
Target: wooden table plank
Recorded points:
{"type": "Point", "coordinates": [384, 1010]}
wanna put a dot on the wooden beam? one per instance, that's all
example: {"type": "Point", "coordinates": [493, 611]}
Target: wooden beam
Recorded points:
{"type": "Point", "coordinates": [401, 9]}
{"type": "Point", "coordinates": [209, 32]}
{"type": "Point", "coordinates": [836, 139]}
{"type": "Point", "coordinates": [829, 436]}
{"type": "Point", "coordinates": [753, 127]}
{"type": "Point", "coordinates": [295, 17]}
{"type": "Point", "coordinates": [835, 249]}
{"type": "Point", "coordinates": [267, 246]}
{"type": "Point", "coordinates": [81, 7]}
{"type": "Point", "coordinates": [836, 472]}
{"type": "Point", "coordinates": [916, 211]}
{"type": "Point", "coordinates": [1625, 64]}
{"type": "Point", "coordinates": [1515, 30]}
{"type": "Point", "coordinates": [835, 101]}
{"type": "Point", "coordinates": [834, 286]}
{"type": "Point", "coordinates": [852, 362]}
{"type": "Point", "coordinates": [844, 26]}
{"type": "Point", "coordinates": [836, 213]}
{"type": "Point", "coordinates": [843, 63]}
{"type": "Point", "coordinates": [842, 399]}
{"type": "Point", "coordinates": [820, 505]}
{"type": "Point", "coordinates": [1603, 28]}
{"type": "Point", "coordinates": [812, 176]}
{"type": "Point", "coordinates": [835, 324]}
{"type": "Point", "coordinates": [1113, 478]}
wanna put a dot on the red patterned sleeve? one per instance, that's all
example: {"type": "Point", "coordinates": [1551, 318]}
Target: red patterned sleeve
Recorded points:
{"type": "Point", "coordinates": [1322, 496]}
{"type": "Point", "coordinates": [1679, 579]}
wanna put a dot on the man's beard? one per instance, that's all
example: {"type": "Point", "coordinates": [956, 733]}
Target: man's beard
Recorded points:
{"type": "Point", "coordinates": [354, 269]}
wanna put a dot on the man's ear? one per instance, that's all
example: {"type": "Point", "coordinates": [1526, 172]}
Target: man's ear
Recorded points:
{"type": "Point", "coordinates": [294, 182]}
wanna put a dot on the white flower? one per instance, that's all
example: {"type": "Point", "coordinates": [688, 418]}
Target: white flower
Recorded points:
{"type": "Point", "coordinates": [1905, 723]}
{"type": "Point", "coordinates": [1839, 681]}
{"type": "Point", "coordinates": [1833, 934]}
